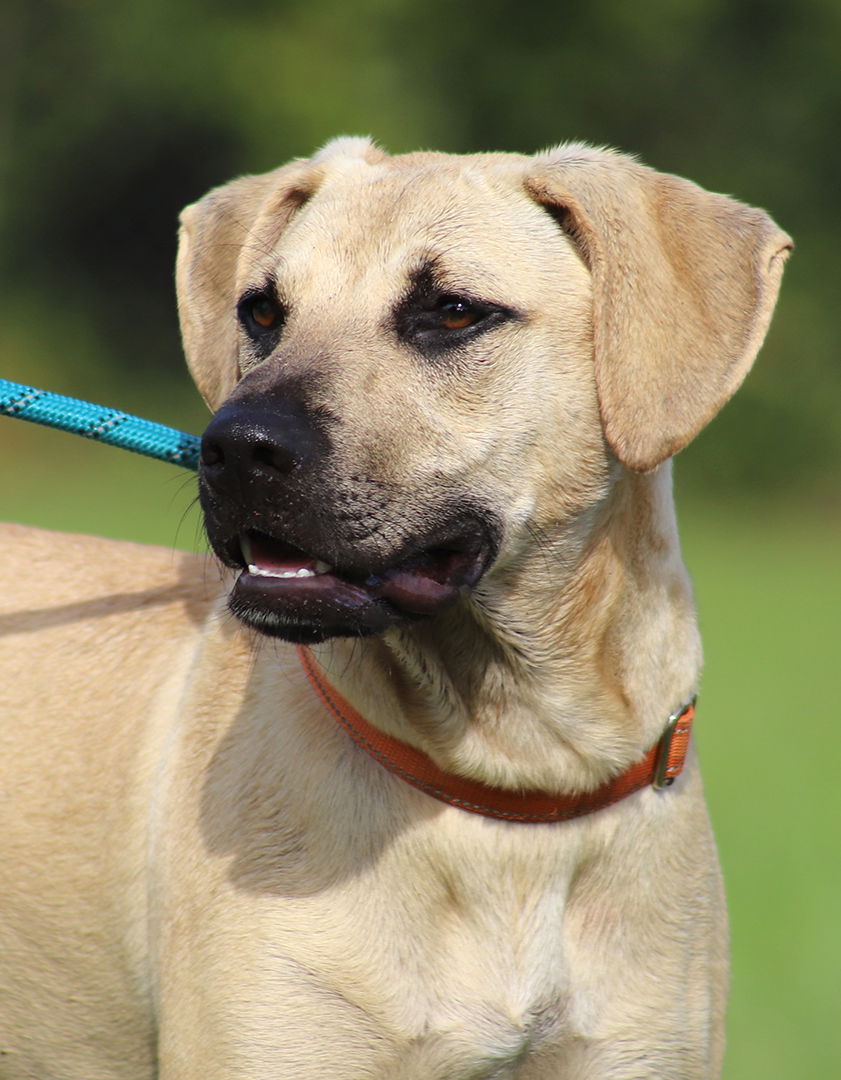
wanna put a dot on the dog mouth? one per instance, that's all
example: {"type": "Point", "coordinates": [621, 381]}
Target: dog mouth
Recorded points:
{"type": "Point", "coordinates": [286, 592]}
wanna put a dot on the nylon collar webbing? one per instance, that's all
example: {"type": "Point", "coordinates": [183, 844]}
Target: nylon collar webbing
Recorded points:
{"type": "Point", "coordinates": [659, 768]}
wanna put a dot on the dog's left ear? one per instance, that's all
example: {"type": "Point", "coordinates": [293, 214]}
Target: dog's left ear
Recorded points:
{"type": "Point", "coordinates": [684, 284]}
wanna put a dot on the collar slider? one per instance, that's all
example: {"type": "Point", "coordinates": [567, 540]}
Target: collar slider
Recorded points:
{"type": "Point", "coordinates": [673, 746]}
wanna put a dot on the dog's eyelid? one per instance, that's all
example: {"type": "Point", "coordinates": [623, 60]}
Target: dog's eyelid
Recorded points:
{"type": "Point", "coordinates": [267, 292]}
{"type": "Point", "coordinates": [449, 298]}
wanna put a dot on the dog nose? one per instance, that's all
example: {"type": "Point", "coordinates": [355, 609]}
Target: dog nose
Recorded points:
{"type": "Point", "coordinates": [244, 439]}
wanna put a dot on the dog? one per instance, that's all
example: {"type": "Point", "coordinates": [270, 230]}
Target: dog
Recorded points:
{"type": "Point", "coordinates": [407, 789]}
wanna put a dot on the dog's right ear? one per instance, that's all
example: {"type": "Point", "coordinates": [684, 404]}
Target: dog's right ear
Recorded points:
{"type": "Point", "coordinates": [213, 233]}
{"type": "Point", "coordinates": [245, 216]}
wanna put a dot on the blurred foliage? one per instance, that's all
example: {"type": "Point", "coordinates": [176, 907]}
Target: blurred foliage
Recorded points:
{"type": "Point", "coordinates": [113, 116]}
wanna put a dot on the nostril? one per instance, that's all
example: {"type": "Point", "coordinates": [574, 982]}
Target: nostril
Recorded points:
{"type": "Point", "coordinates": [212, 453]}
{"type": "Point", "coordinates": [274, 455]}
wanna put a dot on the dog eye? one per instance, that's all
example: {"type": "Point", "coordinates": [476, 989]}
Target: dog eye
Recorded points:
{"type": "Point", "coordinates": [263, 312]}
{"type": "Point", "coordinates": [456, 314]}
{"type": "Point", "coordinates": [437, 322]}
{"type": "Point", "coordinates": [260, 313]}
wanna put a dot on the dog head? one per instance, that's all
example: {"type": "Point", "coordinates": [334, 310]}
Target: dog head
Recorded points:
{"type": "Point", "coordinates": [419, 362]}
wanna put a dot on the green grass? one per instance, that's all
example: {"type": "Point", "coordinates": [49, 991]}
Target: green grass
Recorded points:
{"type": "Point", "coordinates": [768, 591]}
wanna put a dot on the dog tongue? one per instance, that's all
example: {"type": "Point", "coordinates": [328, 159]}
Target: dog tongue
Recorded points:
{"type": "Point", "coordinates": [416, 589]}
{"type": "Point", "coordinates": [416, 593]}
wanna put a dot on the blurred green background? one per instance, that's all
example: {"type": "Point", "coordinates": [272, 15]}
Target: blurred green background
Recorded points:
{"type": "Point", "coordinates": [114, 115]}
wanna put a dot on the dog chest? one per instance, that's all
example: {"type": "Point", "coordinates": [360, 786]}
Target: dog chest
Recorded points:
{"type": "Point", "coordinates": [429, 949]}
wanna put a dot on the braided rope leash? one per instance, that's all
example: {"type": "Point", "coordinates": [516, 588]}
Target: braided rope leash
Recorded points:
{"type": "Point", "coordinates": [100, 423]}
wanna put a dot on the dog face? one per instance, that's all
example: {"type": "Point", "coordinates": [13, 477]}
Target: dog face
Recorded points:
{"type": "Point", "coordinates": [424, 362]}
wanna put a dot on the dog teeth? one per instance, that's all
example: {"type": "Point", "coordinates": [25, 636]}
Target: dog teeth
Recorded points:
{"type": "Point", "coordinates": [301, 572]}
{"type": "Point", "coordinates": [298, 572]}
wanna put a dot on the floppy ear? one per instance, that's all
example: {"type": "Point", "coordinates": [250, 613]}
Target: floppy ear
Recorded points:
{"type": "Point", "coordinates": [213, 233]}
{"type": "Point", "coordinates": [246, 215]}
{"type": "Point", "coordinates": [684, 283]}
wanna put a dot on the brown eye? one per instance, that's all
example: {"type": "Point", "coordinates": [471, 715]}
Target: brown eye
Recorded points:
{"type": "Point", "coordinates": [261, 315]}
{"type": "Point", "coordinates": [455, 314]}
{"type": "Point", "coordinates": [264, 312]}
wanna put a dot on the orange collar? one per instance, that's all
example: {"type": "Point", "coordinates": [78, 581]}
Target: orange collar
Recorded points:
{"type": "Point", "coordinates": [659, 768]}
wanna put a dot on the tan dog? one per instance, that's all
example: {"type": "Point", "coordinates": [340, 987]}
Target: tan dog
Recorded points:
{"type": "Point", "coordinates": [449, 390]}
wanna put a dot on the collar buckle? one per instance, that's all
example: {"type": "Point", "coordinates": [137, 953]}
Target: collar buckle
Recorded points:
{"type": "Point", "coordinates": [673, 746]}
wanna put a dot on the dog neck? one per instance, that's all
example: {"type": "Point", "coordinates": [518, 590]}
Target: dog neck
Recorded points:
{"type": "Point", "coordinates": [564, 666]}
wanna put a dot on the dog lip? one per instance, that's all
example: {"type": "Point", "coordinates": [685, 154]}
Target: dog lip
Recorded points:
{"type": "Point", "coordinates": [301, 587]}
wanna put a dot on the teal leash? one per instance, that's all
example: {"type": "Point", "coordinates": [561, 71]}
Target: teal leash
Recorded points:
{"type": "Point", "coordinates": [98, 422]}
